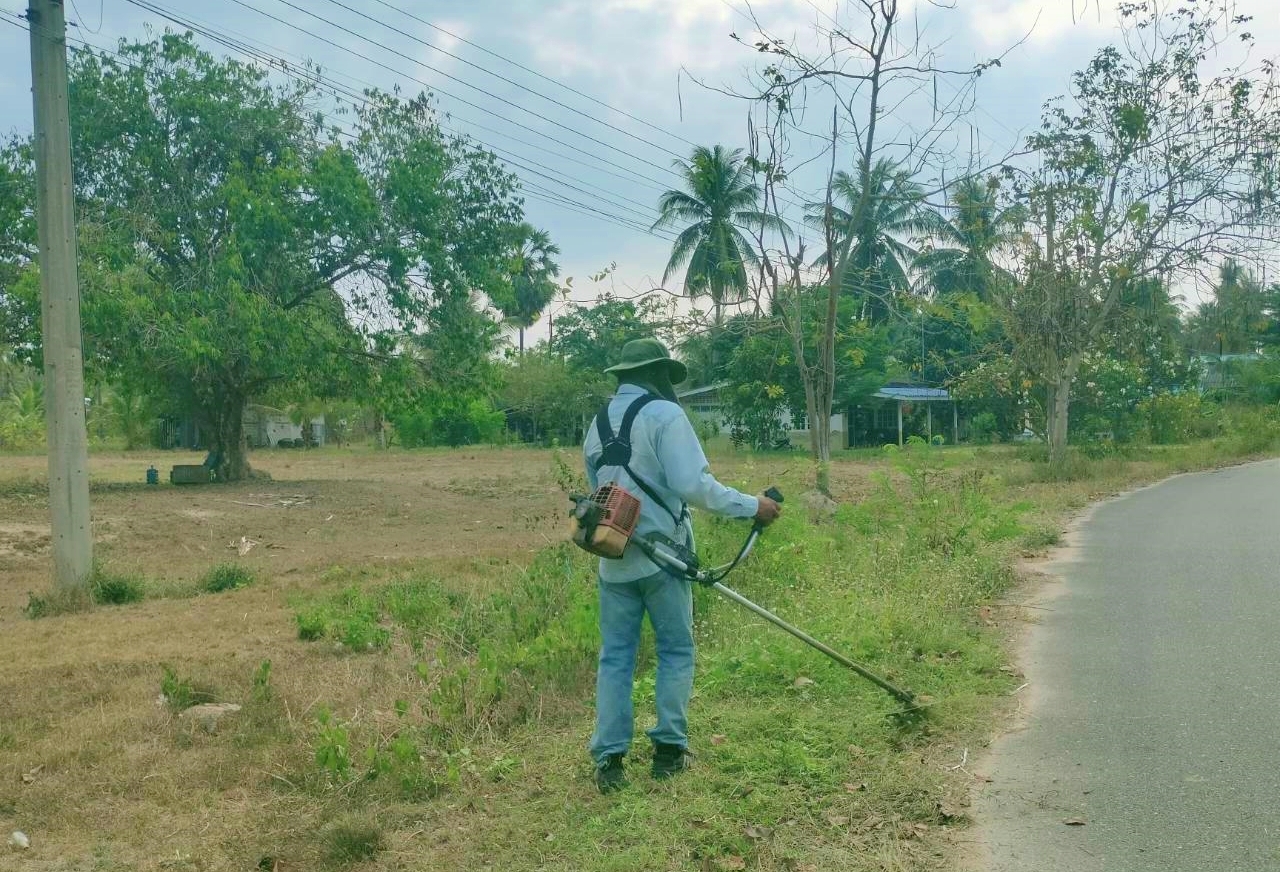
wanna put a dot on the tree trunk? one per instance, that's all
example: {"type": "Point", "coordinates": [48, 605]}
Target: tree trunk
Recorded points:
{"type": "Point", "coordinates": [521, 329]}
{"type": "Point", "coordinates": [227, 439]}
{"type": "Point", "coordinates": [1057, 412]}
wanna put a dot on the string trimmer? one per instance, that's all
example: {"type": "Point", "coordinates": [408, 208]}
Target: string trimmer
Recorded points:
{"type": "Point", "coordinates": [683, 562]}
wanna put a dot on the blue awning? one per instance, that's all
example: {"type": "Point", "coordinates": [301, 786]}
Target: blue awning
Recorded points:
{"type": "Point", "coordinates": [913, 394]}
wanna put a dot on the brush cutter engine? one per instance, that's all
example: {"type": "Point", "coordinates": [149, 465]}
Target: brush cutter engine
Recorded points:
{"type": "Point", "coordinates": [604, 522]}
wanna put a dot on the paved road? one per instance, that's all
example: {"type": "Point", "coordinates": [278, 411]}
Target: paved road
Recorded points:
{"type": "Point", "coordinates": [1155, 715]}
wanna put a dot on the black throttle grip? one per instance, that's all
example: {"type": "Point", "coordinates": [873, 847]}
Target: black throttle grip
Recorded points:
{"type": "Point", "coordinates": [774, 494]}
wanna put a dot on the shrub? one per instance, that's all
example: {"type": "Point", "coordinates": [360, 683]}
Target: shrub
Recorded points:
{"type": "Point", "coordinates": [1171, 418]}
{"type": "Point", "coordinates": [984, 428]}
{"type": "Point", "coordinates": [108, 588]}
{"type": "Point", "coordinates": [226, 576]}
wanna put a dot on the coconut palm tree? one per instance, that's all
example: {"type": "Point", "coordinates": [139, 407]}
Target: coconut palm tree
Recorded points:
{"type": "Point", "coordinates": [962, 259]}
{"type": "Point", "coordinates": [721, 199]}
{"type": "Point", "coordinates": [533, 276]}
{"type": "Point", "coordinates": [883, 246]}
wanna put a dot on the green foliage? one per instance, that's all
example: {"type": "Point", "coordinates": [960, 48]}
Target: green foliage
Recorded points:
{"type": "Point", "coordinates": [1173, 418]}
{"type": "Point", "coordinates": [111, 588]}
{"type": "Point", "coordinates": [721, 199]}
{"type": "Point", "coordinates": [449, 420]}
{"type": "Point", "coordinates": [352, 619]}
{"type": "Point", "coordinates": [590, 337]}
{"type": "Point", "coordinates": [547, 398]}
{"type": "Point", "coordinates": [226, 576]}
{"type": "Point", "coordinates": [214, 250]}
{"type": "Point", "coordinates": [984, 428]}
{"type": "Point", "coordinates": [533, 273]}
{"type": "Point", "coordinates": [181, 693]}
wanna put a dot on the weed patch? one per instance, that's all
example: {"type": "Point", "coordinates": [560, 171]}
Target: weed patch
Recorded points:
{"type": "Point", "coordinates": [226, 576]}
{"type": "Point", "coordinates": [181, 693]}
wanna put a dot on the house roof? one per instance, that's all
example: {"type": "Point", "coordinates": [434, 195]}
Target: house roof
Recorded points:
{"type": "Point", "coordinates": [914, 393]}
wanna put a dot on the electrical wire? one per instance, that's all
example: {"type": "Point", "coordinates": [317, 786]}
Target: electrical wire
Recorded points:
{"type": "Point", "coordinates": [534, 72]}
{"type": "Point", "coordinates": [338, 90]}
{"type": "Point", "coordinates": [503, 78]}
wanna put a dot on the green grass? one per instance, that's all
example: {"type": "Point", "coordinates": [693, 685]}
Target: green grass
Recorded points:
{"type": "Point", "coordinates": [799, 762]}
{"type": "Point", "coordinates": [226, 576]}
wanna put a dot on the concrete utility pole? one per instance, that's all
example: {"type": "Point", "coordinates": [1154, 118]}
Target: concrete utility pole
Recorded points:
{"type": "Point", "coordinates": [60, 299]}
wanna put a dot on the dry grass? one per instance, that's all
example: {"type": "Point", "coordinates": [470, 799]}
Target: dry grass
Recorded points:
{"type": "Point", "coordinates": [103, 776]}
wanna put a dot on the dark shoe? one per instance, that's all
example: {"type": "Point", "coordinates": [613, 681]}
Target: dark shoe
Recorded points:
{"type": "Point", "coordinates": [610, 776]}
{"type": "Point", "coordinates": [669, 760]}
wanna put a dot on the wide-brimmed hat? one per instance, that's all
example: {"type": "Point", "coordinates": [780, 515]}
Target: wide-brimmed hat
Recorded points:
{"type": "Point", "coordinates": [644, 352]}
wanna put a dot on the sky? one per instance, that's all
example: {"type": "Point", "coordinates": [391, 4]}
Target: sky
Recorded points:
{"type": "Point", "coordinates": [590, 101]}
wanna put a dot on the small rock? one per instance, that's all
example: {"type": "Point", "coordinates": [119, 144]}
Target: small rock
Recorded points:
{"type": "Point", "coordinates": [209, 715]}
{"type": "Point", "coordinates": [19, 841]}
{"type": "Point", "coordinates": [819, 505]}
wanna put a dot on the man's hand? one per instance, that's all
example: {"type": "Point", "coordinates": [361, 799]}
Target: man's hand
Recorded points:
{"type": "Point", "coordinates": [768, 511]}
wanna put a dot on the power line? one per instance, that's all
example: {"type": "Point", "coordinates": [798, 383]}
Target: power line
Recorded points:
{"type": "Point", "coordinates": [338, 89]}
{"type": "Point", "coordinates": [373, 42]}
{"type": "Point", "coordinates": [266, 55]}
{"type": "Point", "coordinates": [499, 76]}
{"type": "Point", "coordinates": [534, 72]}
{"type": "Point", "coordinates": [440, 91]}
{"type": "Point", "coordinates": [528, 190]}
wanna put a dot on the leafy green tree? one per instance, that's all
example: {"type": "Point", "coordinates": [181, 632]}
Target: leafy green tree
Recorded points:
{"type": "Point", "coordinates": [233, 246]}
{"type": "Point", "coordinates": [1151, 169]}
{"type": "Point", "coordinates": [533, 285]}
{"type": "Point", "coordinates": [1238, 319]}
{"type": "Point", "coordinates": [547, 398]}
{"type": "Point", "coordinates": [591, 337]}
{"type": "Point", "coordinates": [881, 235]}
{"type": "Point", "coordinates": [721, 199]}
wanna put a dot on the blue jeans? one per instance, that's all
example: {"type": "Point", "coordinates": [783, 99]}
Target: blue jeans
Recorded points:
{"type": "Point", "coordinates": [669, 602]}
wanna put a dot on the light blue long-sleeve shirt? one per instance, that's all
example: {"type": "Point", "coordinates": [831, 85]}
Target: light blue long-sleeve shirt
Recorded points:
{"type": "Point", "coordinates": [666, 453]}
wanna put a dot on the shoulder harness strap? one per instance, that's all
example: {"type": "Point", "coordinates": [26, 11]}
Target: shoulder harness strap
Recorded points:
{"type": "Point", "coordinates": [616, 449]}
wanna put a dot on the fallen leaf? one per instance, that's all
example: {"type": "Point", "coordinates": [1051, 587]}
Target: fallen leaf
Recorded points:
{"type": "Point", "coordinates": [857, 751]}
{"type": "Point", "coordinates": [838, 820]}
{"type": "Point", "coordinates": [732, 862]}
{"type": "Point", "coordinates": [1074, 822]}
{"type": "Point", "coordinates": [719, 739]}
{"type": "Point", "coordinates": [30, 777]}
{"type": "Point", "coordinates": [950, 810]}
{"type": "Point", "coordinates": [699, 823]}
{"type": "Point", "coordinates": [755, 833]}
{"type": "Point", "coordinates": [850, 787]}
{"type": "Point", "coordinates": [745, 790]}
{"type": "Point", "coordinates": [801, 681]}
{"type": "Point", "coordinates": [550, 837]}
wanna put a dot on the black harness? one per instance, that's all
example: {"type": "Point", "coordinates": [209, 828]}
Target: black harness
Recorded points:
{"type": "Point", "coordinates": [616, 450]}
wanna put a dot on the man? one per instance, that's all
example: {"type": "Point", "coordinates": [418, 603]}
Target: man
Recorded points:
{"type": "Point", "coordinates": [673, 474]}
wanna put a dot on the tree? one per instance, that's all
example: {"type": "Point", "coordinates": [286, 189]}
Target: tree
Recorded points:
{"type": "Point", "coordinates": [590, 338]}
{"type": "Point", "coordinates": [533, 285]}
{"type": "Point", "coordinates": [547, 398]}
{"type": "Point", "coordinates": [720, 201]}
{"type": "Point", "coordinates": [865, 67]}
{"type": "Point", "coordinates": [1236, 320]}
{"type": "Point", "coordinates": [882, 237]}
{"type": "Point", "coordinates": [233, 246]}
{"type": "Point", "coordinates": [964, 256]}
{"type": "Point", "coordinates": [1149, 170]}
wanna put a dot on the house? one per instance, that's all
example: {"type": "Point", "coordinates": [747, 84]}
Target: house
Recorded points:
{"type": "Point", "coordinates": [892, 413]}
{"type": "Point", "coordinates": [896, 411]}
{"type": "Point", "coordinates": [264, 427]}
{"type": "Point", "coordinates": [705, 408]}
{"type": "Point", "coordinates": [1222, 371]}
